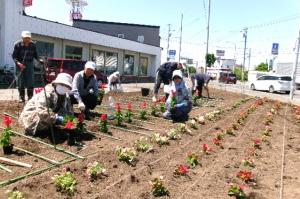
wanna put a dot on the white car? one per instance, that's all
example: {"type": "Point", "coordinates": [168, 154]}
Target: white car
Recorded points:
{"type": "Point", "coordinates": [272, 83]}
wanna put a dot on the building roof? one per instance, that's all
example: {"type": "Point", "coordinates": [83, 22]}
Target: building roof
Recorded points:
{"type": "Point", "coordinates": [115, 23]}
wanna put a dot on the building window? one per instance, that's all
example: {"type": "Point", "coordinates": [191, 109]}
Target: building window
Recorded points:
{"type": "Point", "coordinates": [141, 38]}
{"type": "Point", "coordinates": [121, 36]}
{"type": "Point", "coordinates": [106, 62]}
{"type": "Point", "coordinates": [45, 49]}
{"type": "Point", "coordinates": [73, 52]}
{"type": "Point", "coordinates": [143, 70]}
{"type": "Point", "coordinates": [128, 64]}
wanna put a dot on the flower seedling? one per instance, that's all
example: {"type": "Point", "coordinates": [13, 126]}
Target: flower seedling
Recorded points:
{"type": "Point", "coordinates": [237, 191]}
{"type": "Point", "coordinates": [162, 107]}
{"type": "Point", "coordinates": [129, 114]}
{"type": "Point", "coordinates": [180, 170]}
{"type": "Point", "coordinates": [118, 115]}
{"type": "Point", "coordinates": [95, 170]}
{"type": "Point", "coordinates": [267, 131]}
{"type": "Point", "coordinates": [127, 155]}
{"type": "Point", "coordinates": [206, 149]}
{"type": "Point", "coordinates": [217, 142]}
{"type": "Point", "coordinates": [70, 122]}
{"type": "Point", "coordinates": [5, 138]}
{"type": "Point", "coordinates": [248, 163]}
{"type": "Point", "coordinates": [192, 159]}
{"type": "Point", "coordinates": [173, 99]}
{"type": "Point", "coordinates": [259, 102]}
{"type": "Point", "coordinates": [80, 126]}
{"type": "Point", "coordinates": [158, 189]}
{"type": "Point", "coordinates": [201, 120]}
{"type": "Point", "coordinates": [143, 111]}
{"type": "Point", "coordinates": [101, 93]}
{"type": "Point", "coordinates": [230, 131]}
{"type": "Point", "coordinates": [159, 139]}
{"type": "Point", "coordinates": [154, 109]}
{"type": "Point", "coordinates": [65, 183]}
{"type": "Point", "coordinates": [143, 145]}
{"type": "Point", "coordinates": [182, 128]}
{"type": "Point", "coordinates": [257, 143]}
{"type": "Point", "coordinates": [195, 100]}
{"type": "Point", "coordinates": [193, 124]}
{"type": "Point", "coordinates": [15, 194]}
{"type": "Point", "coordinates": [213, 116]}
{"type": "Point", "coordinates": [103, 123]}
{"type": "Point", "coordinates": [246, 176]}
{"type": "Point", "coordinates": [235, 126]}
{"type": "Point", "coordinates": [173, 134]}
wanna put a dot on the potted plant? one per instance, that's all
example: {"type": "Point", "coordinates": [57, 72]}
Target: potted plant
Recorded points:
{"type": "Point", "coordinates": [5, 139]}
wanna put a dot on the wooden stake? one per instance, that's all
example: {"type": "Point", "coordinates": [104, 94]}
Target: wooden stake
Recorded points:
{"type": "Point", "coordinates": [36, 155]}
{"type": "Point", "coordinates": [4, 168]}
{"type": "Point", "coordinates": [15, 162]}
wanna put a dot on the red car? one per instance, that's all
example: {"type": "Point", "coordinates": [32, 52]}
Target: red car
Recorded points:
{"type": "Point", "coordinates": [54, 66]}
{"type": "Point", "coordinates": [227, 78]}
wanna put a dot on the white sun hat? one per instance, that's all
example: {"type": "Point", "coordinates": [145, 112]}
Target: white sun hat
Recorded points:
{"type": "Point", "coordinates": [63, 78]}
{"type": "Point", "coordinates": [26, 34]}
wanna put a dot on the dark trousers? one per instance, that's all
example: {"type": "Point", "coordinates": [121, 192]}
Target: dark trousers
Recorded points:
{"type": "Point", "coordinates": [26, 80]}
{"type": "Point", "coordinates": [181, 114]}
{"type": "Point", "coordinates": [198, 90]}
{"type": "Point", "coordinates": [90, 101]}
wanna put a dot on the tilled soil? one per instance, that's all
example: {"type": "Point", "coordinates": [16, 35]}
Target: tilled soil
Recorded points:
{"type": "Point", "coordinates": [210, 179]}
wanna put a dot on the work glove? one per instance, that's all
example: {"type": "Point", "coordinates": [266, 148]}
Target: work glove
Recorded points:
{"type": "Point", "coordinates": [154, 99]}
{"type": "Point", "coordinates": [59, 119]}
{"type": "Point", "coordinates": [91, 91]}
{"type": "Point", "coordinates": [21, 66]}
{"type": "Point", "coordinates": [81, 106]}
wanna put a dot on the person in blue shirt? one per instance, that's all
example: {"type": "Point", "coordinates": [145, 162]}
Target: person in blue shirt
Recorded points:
{"type": "Point", "coordinates": [179, 102]}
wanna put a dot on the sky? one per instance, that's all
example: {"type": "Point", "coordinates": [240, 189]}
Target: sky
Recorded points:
{"type": "Point", "coordinates": [268, 21]}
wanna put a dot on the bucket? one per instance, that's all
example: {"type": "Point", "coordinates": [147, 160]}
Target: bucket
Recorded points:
{"type": "Point", "coordinates": [145, 91]}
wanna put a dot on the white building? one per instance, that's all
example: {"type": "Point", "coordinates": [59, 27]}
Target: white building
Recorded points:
{"type": "Point", "coordinates": [63, 41]}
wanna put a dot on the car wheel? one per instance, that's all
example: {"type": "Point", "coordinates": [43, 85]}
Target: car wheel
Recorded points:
{"type": "Point", "coordinates": [252, 87]}
{"type": "Point", "coordinates": [287, 92]}
{"type": "Point", "coordinates": [271, 89]}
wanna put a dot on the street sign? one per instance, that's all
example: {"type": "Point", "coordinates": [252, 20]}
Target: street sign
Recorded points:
{"type": "Point", "coordinates": [172, 54]}
{"type": "Point", "coordinates": [220, 53]}
{"type": "Point", "coordinates": [275, 47]}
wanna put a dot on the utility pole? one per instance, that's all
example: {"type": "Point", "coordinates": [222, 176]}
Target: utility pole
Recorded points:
{"type": "Point", "coordinates": [180, 38]}
{"type": "Point", "coordinates": [207, 38]}
{"type": "Point", "coordinates": [169, 35]}
{"type": "Point", "coordinates": [245, 30]}
{"type": "Point", "coordinates": [249, 58]}
{"type": "Point", "coordinates": [295, 69]}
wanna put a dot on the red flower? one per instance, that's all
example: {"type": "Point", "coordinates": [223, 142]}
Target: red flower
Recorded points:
{"type": "Point", "coordinates": [103, 117]}
{"type": "Point", "coordinates": [206, 148]}
{"type": "Point", "coordinates": [217, 141]}
{"type": "Point", "coordinates": [103, 86]}
{"type": "Point", "coordinates": [80, 118]}
{"type": "Point", "coordinates": [173, 93]}
{"type": "Point", "coordinates": [257, 141]}
{"type": "Point", "coordinates": [143, 105]}
{"type": "Point", "coordinates": [7, 120]}
{"type": "Point", "coordinates": [129, 106]}
{"type": "Point", "coordinates": [69, 125]}
{"type": "Point", "coordinates": [183, 169]}
{"type": "Point", "coordinates": [37, 90]}
{"type": "Point", "coordinates": [118, 107]}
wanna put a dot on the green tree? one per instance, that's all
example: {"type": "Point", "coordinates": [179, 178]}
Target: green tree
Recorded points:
{"type": "Point", "coordinates": [262, 67]}
{"type": "Point", "coordinates": [238, 73]}
{"type": "Point", "coordinates": [210, 59]}
{"type": "Point", "coordinates": [191, 69]}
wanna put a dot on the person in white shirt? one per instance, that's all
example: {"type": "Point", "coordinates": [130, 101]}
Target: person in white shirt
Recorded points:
{"type": "Point", "coordinates": [113, 80]}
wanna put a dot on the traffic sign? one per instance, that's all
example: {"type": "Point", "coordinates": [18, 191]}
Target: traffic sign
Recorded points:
{"type": "Point", "coordinates": [220, 53]}
{"type": "Point", "coordinates": [275, 47]}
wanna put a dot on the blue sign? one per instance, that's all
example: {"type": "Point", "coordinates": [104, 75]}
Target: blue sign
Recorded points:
{"type": "Point", "coordinates": [275, 47]}
{"type": "Point", "coordinates": [172, 53]}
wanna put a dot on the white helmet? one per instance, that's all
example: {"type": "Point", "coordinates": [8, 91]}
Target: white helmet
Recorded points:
{"type": "Point", "coordinates": [63, 78]}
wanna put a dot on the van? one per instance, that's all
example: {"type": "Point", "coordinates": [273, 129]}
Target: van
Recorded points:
{"type": "Point", "coordinates": [54, 66]}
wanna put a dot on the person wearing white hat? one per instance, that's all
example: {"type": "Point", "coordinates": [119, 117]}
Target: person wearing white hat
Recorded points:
{"type": "Point", "coordinates": [23, 55]}
{"type": "Point", "coordinates": [179, 102]}
{"type": "Point", "coordinates": [113, 80]}
{"type": "Point", "coordinates": [85, 88]}
{"type": "Point", "coordinates": [35, 116]}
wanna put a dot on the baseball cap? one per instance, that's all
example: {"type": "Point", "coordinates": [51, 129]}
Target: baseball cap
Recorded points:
{"type": "Point", "coordinates": [26, 34]}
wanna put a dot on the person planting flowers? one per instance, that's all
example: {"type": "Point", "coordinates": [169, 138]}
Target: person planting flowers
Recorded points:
{"type": "Point", "coordinates": [179, 102]}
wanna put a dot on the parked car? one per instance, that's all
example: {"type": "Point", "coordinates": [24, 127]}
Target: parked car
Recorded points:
{"type": "Point", "coordinates": [272, 83]}
{"type": "Point", "coordinates": [227, 78]}
{"type": "Point", "coordinates": [54, 66]}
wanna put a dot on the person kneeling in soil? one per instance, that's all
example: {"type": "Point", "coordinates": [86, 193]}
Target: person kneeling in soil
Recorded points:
{"type": "Point", "coordinates": [85, 89]}
{"type": "Point", "coordinates": [113, 80]}
{"type": "Point", "coordinates": [179, 102]}
{"type": "Point", "coordinates": [35, 116]}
